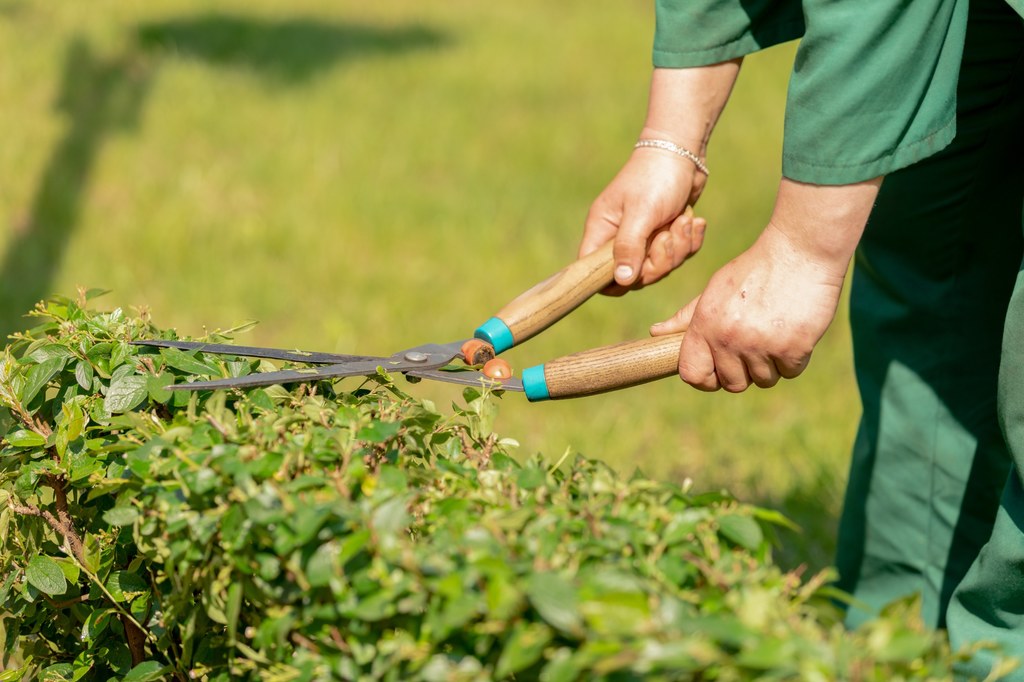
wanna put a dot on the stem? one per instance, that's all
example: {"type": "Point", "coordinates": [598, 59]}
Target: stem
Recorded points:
{"type": "Point", "coordinates": [67, 525]}
{"type": "Point", "coordinates": [136, 639]}
{"type": "Point", "coordinates": [135, 633]}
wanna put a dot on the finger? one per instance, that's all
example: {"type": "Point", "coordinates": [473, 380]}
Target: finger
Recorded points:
{"type": "Point", "coordinates": [600, 226]}
{"type": "Point", "coordinates": [700, 226]}
{"type": "Point", "coordinates": [731, 371]}
{"type": "Point", "coordinates": [763, 372]}
{"type": "Point", "coordinates": [631, 245]}
{"type": "Point", "coordinates": [679, 322]}
{"type": "Point", "coordinates": [791, 367]}
{"type": "Point", "coordinates": [696, 363]}
{"type": "Point", "coordinates": [661, 257]}
{"type": "Point", "coordinates": [673, 246]}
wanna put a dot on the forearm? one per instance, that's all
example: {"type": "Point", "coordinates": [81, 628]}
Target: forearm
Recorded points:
{"type": "Point", "coordinates": [824, 221]}
{"type": "Point", "coordinates": [685, 104]}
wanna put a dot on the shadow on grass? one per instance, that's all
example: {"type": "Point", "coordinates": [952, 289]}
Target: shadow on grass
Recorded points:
{"type": "Point", "coordinates": [287, 51]}
{"type": "Point", "coordinates": [101, 96]}
{"type": "Point", "coordinates": [98, 97]}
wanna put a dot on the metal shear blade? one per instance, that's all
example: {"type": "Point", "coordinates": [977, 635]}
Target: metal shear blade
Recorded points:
{"type": "Point", "coordinates": [421, 361]}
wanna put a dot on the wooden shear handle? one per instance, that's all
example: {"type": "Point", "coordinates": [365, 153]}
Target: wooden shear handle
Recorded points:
{"type": "Point", "coordinates": [541, 306]}
{"type": "Point", "coordinates": [538, 308]}
{"type": "Point", "coordinates": [608, 368]}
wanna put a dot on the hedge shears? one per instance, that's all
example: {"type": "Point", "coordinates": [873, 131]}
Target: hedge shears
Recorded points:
{"type": "Point", "coordinates": [589, 372]}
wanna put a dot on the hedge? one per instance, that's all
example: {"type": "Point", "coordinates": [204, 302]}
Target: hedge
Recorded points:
{"type": "Point", "coordinates": [351, 531]}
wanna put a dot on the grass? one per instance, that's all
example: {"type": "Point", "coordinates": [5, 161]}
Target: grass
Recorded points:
{"type": "Point", "coordinates": [361, 177]}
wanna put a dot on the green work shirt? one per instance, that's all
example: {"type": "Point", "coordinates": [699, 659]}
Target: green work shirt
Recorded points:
{"type": "Point", "coordinates": [873, 87]}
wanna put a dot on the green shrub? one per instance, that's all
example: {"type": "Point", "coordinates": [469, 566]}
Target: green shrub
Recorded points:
{"type": "Point", "coordinates": [316, 533]}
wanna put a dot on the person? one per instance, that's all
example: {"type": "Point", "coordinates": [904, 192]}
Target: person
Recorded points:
{"type": "Point", "coordinates": [904, 152]}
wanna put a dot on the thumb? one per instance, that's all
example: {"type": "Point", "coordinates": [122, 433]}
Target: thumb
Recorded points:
{"type": "Point", "coordinates": [679, 322]}
{"type": "Point", "coordinates": [631, 245]}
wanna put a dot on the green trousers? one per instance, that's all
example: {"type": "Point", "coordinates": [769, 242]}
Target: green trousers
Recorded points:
{"type": "Point", "coordinates": [932, 285]}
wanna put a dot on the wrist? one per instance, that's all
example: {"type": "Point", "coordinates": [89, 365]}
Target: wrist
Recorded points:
{"type": "Point", "coordinates": [685, 104]}
{"type": "Point", "coordinates": [825, 222]}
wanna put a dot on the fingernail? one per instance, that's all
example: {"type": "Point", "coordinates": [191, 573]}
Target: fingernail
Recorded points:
{"type": "Point", "coordinates": [623, 273]}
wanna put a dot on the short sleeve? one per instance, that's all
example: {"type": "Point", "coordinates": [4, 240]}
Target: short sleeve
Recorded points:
{"type": "Point", "coordinates": [701, 32]}
{"type": "Point", "coordinates": [873, 87]}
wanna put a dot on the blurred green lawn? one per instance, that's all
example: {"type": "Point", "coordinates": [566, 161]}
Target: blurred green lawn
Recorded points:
{"type": "Point", "coordinates": [362, 177]}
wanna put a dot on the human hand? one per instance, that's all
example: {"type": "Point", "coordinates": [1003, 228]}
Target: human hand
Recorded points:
{"type": "Point", "coordinates": [758, 319]}
{"type": "Point", "coordinates": [761, 314]}
{"type": "Point", "coordinates": [645, 210]}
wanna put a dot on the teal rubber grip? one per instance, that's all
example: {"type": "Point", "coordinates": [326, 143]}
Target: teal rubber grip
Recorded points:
{"type": "Point", "coordinates": [496, 333]}
{"type": "Point", "coordinates": [535, 384]}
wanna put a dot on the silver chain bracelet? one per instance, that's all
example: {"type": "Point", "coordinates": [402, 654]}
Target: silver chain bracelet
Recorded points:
{"type": "Point", "coordinates": [675, 149]}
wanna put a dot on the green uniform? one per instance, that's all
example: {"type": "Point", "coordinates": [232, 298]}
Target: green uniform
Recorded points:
{"type": "Point", "coordinates": [929, 93]}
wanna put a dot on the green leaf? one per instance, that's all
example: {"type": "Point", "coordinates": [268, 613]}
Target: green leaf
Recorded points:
{"type": "Point", "coordinates": [125, 393]}
{"type": "Point", "coordinates": [91, 552]}
{"type": "Point", "coordinates": [83, 374]}
{"type": "Point", "coordinates": [25, 439]}
{"type": "Point", "coordinates": [531, 477]}
{"type": "Point", "coordinates": [58, 672]}
{"type": "Point", "coordinates": [122, 585]}
{"type": "Point", "coordinates": [51, 351]}
{"type": "Point", "coordinates": [187, 362]}
{"type": "Point", "coordinates": [45, 575]}
{"type": "Point", "coordinates": [121, 516]}
{"type": "Point", "coordinates": [38, 376]}
{"type": "Point", "coordinates": [555, 599]}
{"type": "Point", "coordinates": [74, 420]}
{"type": "Point", "coordinates": [95, 292]}
{"type": "Point", "coordinates": [260, 398]}
{"type": "Point", "coordinates": [524, 648]}
{"type": "Point", "coordinates": [233, 609]}
{"type": "Point", "coordinates": [379, 432]}
{"type": "Point", "coordinates": [145, 672]}
{"type": "Point", "coordinates": [742, 530]}
{"type": "Point", "coordinates": [95, 623]}
{"type": "Point", "coordinates": [70, 568]}
{"type": "Point", "coordinates": [157, 387]}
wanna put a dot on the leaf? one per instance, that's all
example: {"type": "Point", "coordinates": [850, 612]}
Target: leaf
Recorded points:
{"type": "Point", "coordinates": [157, 387]}
{"type": "Point", "coordinates": [25, 439]}
{"type": "Point", "coordinates": [379, 432]}
{"type": "Point", "coordinates": [70, 568]}
{"type": "Point", "coordinates": [123, 584]}
{"type": "Point", "coordinates": [261, 399]}
{"type": "Point", "coordinates": [74, 420]}
{"type": "Point", "coordinates": [38, 376]}
{"type": "Point", "coordinates": [51, 351]}
{"type": "Point", "coordinates": [95, 292]}
{"type": "Point", "coordinates": [125, 393]}
{"type": "Point", "coordinates": [555, 599]}
{"type": "Point", "coordinates": [232, 610]}
{"type": "Point", "coordinates": [742, 530]}
{"type": "Point", "coordinates": [121, 516]}
{"type": "Point", "coordinates": [91, 552]}
{"type": "Point", "coordinates": [145, 671]}
{"type": "Point", "coordinates": [524, 648]}
{"type": "Point", "coordinates": [83, 374]}
{"type": "Point", "coordinates": [95, 623]}
{"type": "Point", "coordinates": [45, 575]}
{"type": "Point", "coordinates": [531, 478]}
{"type": "Point", "coordinates": [187, 362]}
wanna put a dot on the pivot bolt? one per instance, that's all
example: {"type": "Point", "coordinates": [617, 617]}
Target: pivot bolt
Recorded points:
{"type": "Point", "coordinates": [416, 356]}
